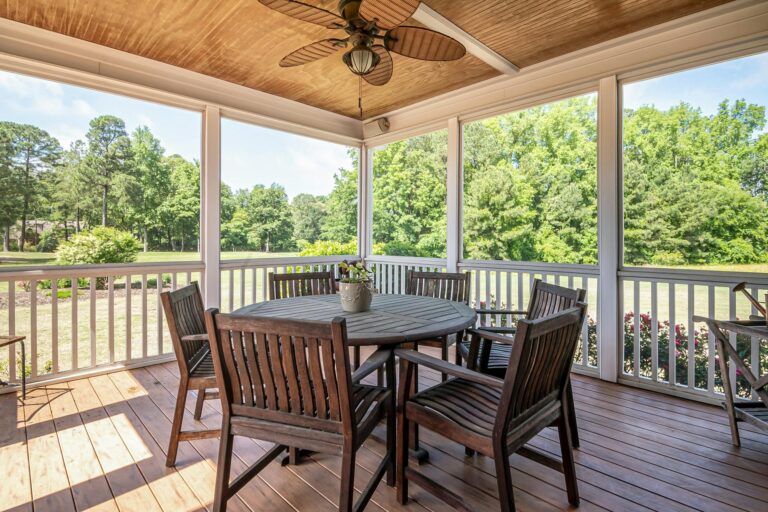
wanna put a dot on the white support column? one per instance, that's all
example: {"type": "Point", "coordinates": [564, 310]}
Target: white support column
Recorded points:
{"type": "Point", "coordinates": [453, 195]}
{"type": "Point", "coordinates": [609, 217]}
{"type": "Point", "coordinates": [365, 203]}
{"type": "Point", "coordinates": [362, 204]}
{"type": "Point", "coordinates": [209, 208]}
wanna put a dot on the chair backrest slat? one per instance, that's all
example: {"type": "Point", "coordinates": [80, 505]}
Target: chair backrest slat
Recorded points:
{"type": "Point", "coordinates": [548, 299]}
{"type": "Point", "coordinates": [440, 285]}
{"type": "Point", "coordinates": [184, 313]}
{"type": "Point", "coordinates": [299, 284]}
{"type": "Point", "coordinates": [539, 365]}
{"type": "Point", "coordinates": [292, 370]}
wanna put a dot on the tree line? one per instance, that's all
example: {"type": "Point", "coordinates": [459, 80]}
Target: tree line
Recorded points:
{"type": "Point", "coordinates": [695, 189]}
{"type": "Point", "coordinates": [112, 178]}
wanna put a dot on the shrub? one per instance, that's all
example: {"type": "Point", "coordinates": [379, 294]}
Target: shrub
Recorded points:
{"type": "Point", "coordinates": [49, 241]}
{"type": "Point", "coordinates": [98, 245]}
{"type": "Point", "coordinates": [328, 248]}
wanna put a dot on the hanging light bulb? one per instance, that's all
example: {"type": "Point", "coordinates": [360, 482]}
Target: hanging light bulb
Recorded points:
{"type": "Point", "coordinates": [361, 59]}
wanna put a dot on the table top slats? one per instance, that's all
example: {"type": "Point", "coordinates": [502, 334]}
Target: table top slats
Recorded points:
{"type": "Point", "coordinates": [392, 319]}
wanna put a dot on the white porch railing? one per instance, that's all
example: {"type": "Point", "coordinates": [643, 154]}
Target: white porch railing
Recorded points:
{"type": "Point", "coordinates": [659, 306]}
{"type": "Point", "coordinates": [244, 282]}
{"type": "Point", "coordinates": [507, 285]}
{"type": "Point", "coordinates": [87, 317]}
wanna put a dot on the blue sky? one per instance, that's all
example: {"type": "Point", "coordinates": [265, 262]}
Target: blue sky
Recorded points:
{"type": "Point", "coordinates": [252, 154]}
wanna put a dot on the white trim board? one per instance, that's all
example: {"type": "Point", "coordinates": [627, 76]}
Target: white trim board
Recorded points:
{"type": "Point", "coordinates": [731, 30]}
{"type": "Point", "coordinates": [42, 53]}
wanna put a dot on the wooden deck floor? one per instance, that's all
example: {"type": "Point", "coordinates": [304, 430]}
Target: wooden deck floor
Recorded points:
{"type": "Point", "coordinates": [99, 443]}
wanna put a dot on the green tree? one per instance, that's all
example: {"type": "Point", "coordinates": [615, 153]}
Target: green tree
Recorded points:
{"type": "Point", "coordinates": [10, 184]}
{"type": "Point", "coordinates": [271, 223]}
{"type": "Point", "coordinates": [309, 214]}
{"type": "Point", "coordinates": [109, 156]}
{"type": "Point", "coordinates": [180, 212]}
{"type": "Point", "coordinates": [341, 221]}
{"type": "Point", "coordinates": [153, 180]}
{"type": "Point", "coordinates": [33, 153]}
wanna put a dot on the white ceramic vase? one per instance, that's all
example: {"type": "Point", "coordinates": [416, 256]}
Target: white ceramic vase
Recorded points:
{"type": "Point", "coordinates": [355, 297]}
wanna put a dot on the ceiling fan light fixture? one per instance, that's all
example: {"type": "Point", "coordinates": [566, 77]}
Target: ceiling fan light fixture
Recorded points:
{"type": "Point", "coordinates": [361, 60]}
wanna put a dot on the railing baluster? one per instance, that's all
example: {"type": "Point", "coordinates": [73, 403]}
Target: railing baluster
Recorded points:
{"type": "Point", "coordinates": [54, 325]}
{"type": "Point", "coordinates": [12, 328]}
{"type": "Point", "coordinates": [636, 309]}
{"type": "Point", "coordinates": [672, 344]}
{"type": "Point", "coordinates": [159, 313]}
{"type": "Point", "coordinates": [654, 332]}
{"type": "Point", "coordinates": [231, 290]}
{"type": "Point", "coordinates": [111, 318]}
{"type": "Point", "coordinates": [128, 313]}
{"type": "Point", "coordinates": [253, 285]}
{"type": "Point", "coordinates": [711, 341]}
{"type": "Point", "coordinates": [264, 286]}
{"type": "Point", "coordinates": [33, 327]}
{"type": "Point", "coordinates": [144, 315]}
{"type": "Point", "coordinates": [754, 345]}
{"type": "Point", "coordinates": [174, 284]}
{"type": "Point", "coordinates": [585, 326]}
{"type": "Point", "coordinates": [732, 340]}
{"type": "Point", "coordinates": [691, 339]}
{"type": "Point", "coordinates": [73, 288]}
{"type": "Point", "coordinates": [498, 296]}
{"type": "Point", "coordinates": [92, 318]}
{"type": "Point", "coordinates": [242, 287]}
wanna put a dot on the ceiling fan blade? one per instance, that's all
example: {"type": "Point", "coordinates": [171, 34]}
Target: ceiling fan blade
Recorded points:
{"type": "Point", "coordinates": [388, 13]}
{"type": "Point", "coordinates": [383, 70]}
{"type": "Point", "coordinates": [311, 53]}
{"type": "Point", "coordinates": [424, 44]}
{"type": "Point", "coordinates": [305, 12]}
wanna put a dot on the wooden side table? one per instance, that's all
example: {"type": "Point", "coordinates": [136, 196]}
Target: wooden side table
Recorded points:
{"type": "Point", "coordinates": [10, 340]}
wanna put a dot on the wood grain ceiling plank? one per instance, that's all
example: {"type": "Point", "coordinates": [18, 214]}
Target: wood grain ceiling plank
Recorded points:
{"type": "Point", "coordinates": [242, 41]}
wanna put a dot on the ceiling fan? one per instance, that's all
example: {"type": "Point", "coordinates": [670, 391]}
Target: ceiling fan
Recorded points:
{"type": "Point", "coordinates": [373, 30]}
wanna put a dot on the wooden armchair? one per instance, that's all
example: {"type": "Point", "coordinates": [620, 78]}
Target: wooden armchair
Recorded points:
{"type": "Point", "coordinates": [186, 323]}
{"type": "Point", "coordinates": [488, 349]}
{"type": "Point", "coordinates": [492, 416]}
{"type": "Point", "coordinates": [289, 382]}
{"type": "Point", "coordinates": [299, 284]}
{"type": "Point", "coordinates": [441, 285]}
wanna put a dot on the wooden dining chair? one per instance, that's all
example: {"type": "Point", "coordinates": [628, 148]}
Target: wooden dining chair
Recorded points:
{"type": "Point", "coordinates": [186, 324]}
{"type": "Point", "coordinates": [492, 416]}
{"type": "Point", "coordinates": [440, 285]}
{"type": "Point", "coordinates": [299, 284]}
{"type": "Point", "coordinates": [488, 351]}
{"type": "Point", "coordinates": [289, 382]}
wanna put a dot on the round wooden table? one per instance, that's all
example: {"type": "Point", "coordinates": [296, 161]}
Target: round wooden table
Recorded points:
{"type": "Point", "coordinates": [392, 319]}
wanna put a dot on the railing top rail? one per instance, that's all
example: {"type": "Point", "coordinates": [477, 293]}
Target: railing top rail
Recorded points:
{"type": "Point", "coordinates": [98, 270]}
{"type": "Point", "coordinates": [284, 260]}
{"type": "Point", "coordinates": [407, 260]}
{"type": "Point", "coordinates": [696, 276]}
{"type": "Point", "coordinates": [531, 266]}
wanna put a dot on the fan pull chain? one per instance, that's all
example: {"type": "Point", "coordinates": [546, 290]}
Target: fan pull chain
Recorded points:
{"type": "Point", "coordinates": [360, 96]}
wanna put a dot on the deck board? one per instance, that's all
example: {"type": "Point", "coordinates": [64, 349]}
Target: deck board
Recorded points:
{"type": "Point", "coordinates": [99, 444]}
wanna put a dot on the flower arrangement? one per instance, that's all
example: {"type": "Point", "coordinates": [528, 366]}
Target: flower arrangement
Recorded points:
{"type": "Point", "coordinates": [355, 287]}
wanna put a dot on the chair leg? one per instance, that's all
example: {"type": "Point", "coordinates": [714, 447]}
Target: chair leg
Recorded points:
{"type": "Point", "coordinates": [572, 415]}
{"type": "Point", "coordinates": [569, 466]}
{"type": "Point", "coordinates": [178, 418]}
{"type": "Point", "coordinates": [199, 403]}
{"type": "Point", "coordinates": [221, 491]}
{"type": "Point", "coordinates": [401, 463]}
{"type": "Point", "coordinates": [504, 479]}
{"type": "Point", "coordinates": [347, 496]}
{"type": "Point", "coordinates": [444, 354]}
{"type": "Point", "coordinates": [356, 357]}
{"type": "Point", "coordinates": [391, 422]}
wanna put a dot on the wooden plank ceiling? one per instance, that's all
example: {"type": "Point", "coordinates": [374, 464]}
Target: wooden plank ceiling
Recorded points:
{"type": "Point", "coordinates": [241, 41]}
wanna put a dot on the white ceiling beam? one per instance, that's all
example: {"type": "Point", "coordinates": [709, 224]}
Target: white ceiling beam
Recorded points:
{"type": "Point", "coordinates": [436, 21]}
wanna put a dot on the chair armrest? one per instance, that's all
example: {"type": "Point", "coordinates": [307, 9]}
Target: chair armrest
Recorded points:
{"type": "Point", "coordinates": [482, 311]}
{"type": "Point", "coordinates": [445, 367]}
{"type": "Point", "coordinates": [377, 360]}
{"type": "Point", "coordinates": [195, 337]}
{"type": "Point", "coordinates": [493, 336]}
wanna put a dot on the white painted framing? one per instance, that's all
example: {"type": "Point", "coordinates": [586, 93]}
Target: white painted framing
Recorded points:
{"type": "Point", "coordinates": [736, 29]}
{"type": "Point", "coordinates": [210, 212]}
